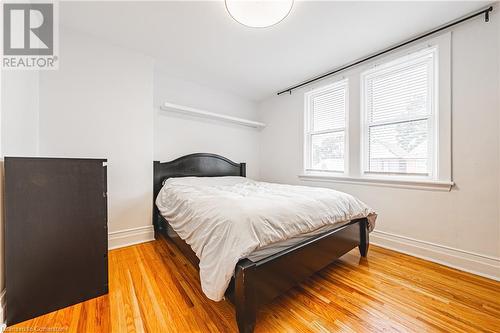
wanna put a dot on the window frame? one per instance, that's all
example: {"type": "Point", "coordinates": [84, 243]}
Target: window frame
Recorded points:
{"type": "Point", "coordinates": [443, 175]}
{"type": "Point", "coordinates": [432, 117]}
{"type": "Point", "coordinates": [308, 132]}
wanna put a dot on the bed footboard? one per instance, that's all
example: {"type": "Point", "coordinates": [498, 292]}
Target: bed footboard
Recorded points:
{"type": "Point", "coordinates": [257, 283]}
{"type": "Point", "coordinates": [244, 297]}
{"type": "Point", "coordinates": [364, 238]}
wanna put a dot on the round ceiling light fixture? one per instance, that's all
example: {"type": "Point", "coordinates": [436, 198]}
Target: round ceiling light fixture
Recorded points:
{"type": "Point", "coordinates": [259, 13]}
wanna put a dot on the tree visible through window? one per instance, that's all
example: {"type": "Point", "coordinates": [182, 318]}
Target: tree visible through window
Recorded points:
{"type": "Point", "coordinates": [399, 115]}
{"type": "Point", "coordinates": [325, 128]}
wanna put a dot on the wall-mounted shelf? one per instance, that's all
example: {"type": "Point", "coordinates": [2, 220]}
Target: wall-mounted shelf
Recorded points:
{"type": "Point", "coordinates": [170, 107]}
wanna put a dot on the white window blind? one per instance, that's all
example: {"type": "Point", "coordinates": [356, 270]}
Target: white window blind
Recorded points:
{"type": "Point", "coordinates": [399, 113]}
{"type": "Point", "coordinates": [325, 128]}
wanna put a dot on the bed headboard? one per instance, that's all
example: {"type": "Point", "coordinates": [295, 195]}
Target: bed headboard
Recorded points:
{"type": "Point", "coordinates": [199, 165]}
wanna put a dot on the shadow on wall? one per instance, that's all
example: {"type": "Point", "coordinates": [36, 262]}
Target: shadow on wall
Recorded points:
{"type": "Point", "coordinates": [129, 207]}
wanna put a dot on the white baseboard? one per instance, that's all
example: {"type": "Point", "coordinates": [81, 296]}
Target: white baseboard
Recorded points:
{"type": "Point", "coordinates": [116, 240]}
{"type": "Point", "coordinates": [127, 237]}
{"type": "Point", "coordinates": [2, 310]}
{"type": "Point", "coordinates": [462, 260]}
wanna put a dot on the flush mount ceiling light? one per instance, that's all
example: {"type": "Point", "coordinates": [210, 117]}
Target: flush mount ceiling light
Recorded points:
{"type": "Point", "coordinates": [259, 13]}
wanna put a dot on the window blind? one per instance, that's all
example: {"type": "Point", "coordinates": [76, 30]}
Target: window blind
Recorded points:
{"type": "Point", "coordinates": [325, 135]}
{"type": "Point", "coordinates": [329, 110]}
{"type": "Point", "coordinates": [399, 104]}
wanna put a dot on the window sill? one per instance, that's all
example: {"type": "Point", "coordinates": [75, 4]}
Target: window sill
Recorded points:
{"type": "Point", "coordinates": [430, 185]}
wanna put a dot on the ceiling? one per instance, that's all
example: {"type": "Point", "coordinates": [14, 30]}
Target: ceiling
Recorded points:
{"type": "Point", "coordinates": [200, 42]}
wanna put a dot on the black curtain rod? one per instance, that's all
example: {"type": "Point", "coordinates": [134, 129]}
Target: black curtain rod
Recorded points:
{"type": "Point", "coordinates": [485, 12]}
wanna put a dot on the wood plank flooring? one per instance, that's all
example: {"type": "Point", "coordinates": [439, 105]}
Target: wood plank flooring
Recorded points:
{"type": "Point", "coordinates": [153, 288]}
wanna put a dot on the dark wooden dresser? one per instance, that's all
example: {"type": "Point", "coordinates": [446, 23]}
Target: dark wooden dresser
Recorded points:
{"type": "Point", "coordinates": [55, 234]}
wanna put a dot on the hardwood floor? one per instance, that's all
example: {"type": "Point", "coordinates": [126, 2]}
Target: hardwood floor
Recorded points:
{"type": "Point", "coordinates": [153, 288]}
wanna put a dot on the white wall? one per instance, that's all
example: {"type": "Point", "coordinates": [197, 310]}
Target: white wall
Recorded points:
{"type": "Point", "coordinates": [460, 228]}
{"type": "Point", "coordinates": [177, 135]}
{"type": "Point", "coordinates": [19, 132]}
{"type": "Point", "coordinates": [20, 113]}
{"type": "Point", "coordinates": [498, 104]}
{"type": "Point", "coordinates": [103, 102]}
{"type": "Point", "coordinates": [99, 104]}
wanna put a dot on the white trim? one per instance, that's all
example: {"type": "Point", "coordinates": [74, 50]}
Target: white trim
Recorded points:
{"type": "Point", "coordinates": [127, 237]}
{"type": "Point", "coordinates": [176, 108]}
{"type": "Point", "coordinates": [2, 309]}
{"type": "Point", "coordinates": [467, 261]}
{"type": "Point", "coordinates": [116, 240]}
{"type": "Point", "coordinates": [427, 55]}
{"type": "Point", "coordinates": [342, 84]}
{"type": "Point", "coordinates": [442, 153]}
{"type": "Point", "coordinates": [432, 185]}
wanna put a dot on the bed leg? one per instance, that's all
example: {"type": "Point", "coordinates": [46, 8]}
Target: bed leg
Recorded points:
{"type": "Point", "coordinates": [244, 299]}
{"type": "Point", "coordinates": [364, 239]}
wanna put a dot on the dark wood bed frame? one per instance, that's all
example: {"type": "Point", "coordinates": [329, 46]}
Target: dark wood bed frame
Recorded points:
{"type": "Point", "coordinates": [257, 283]}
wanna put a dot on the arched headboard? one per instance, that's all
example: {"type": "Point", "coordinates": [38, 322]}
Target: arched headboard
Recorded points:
{"type": "Point", "coordinates": [198, 165]}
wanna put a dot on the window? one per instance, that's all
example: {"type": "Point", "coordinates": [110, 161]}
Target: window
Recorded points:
{"type": "Point", "coordinates": [325, 128]}
{"type": "Point", "coordinates": [386, 123]}
{"type": "Point", "coordinates": [399, 116]}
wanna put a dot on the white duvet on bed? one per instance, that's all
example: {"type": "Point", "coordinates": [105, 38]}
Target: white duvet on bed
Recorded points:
{"type": "Point", "coordinates": [224, 219]}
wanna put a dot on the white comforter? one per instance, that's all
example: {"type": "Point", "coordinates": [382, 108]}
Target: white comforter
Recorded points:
{"type": "Point", "coordinates": [224, 219]}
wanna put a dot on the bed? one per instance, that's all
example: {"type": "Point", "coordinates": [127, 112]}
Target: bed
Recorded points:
{"type": "Point", "coordinates": [260, 270]}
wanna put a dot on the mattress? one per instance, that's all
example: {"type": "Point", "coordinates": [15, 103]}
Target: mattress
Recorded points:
{"type": "Point", "coordinates": [225, 219]}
